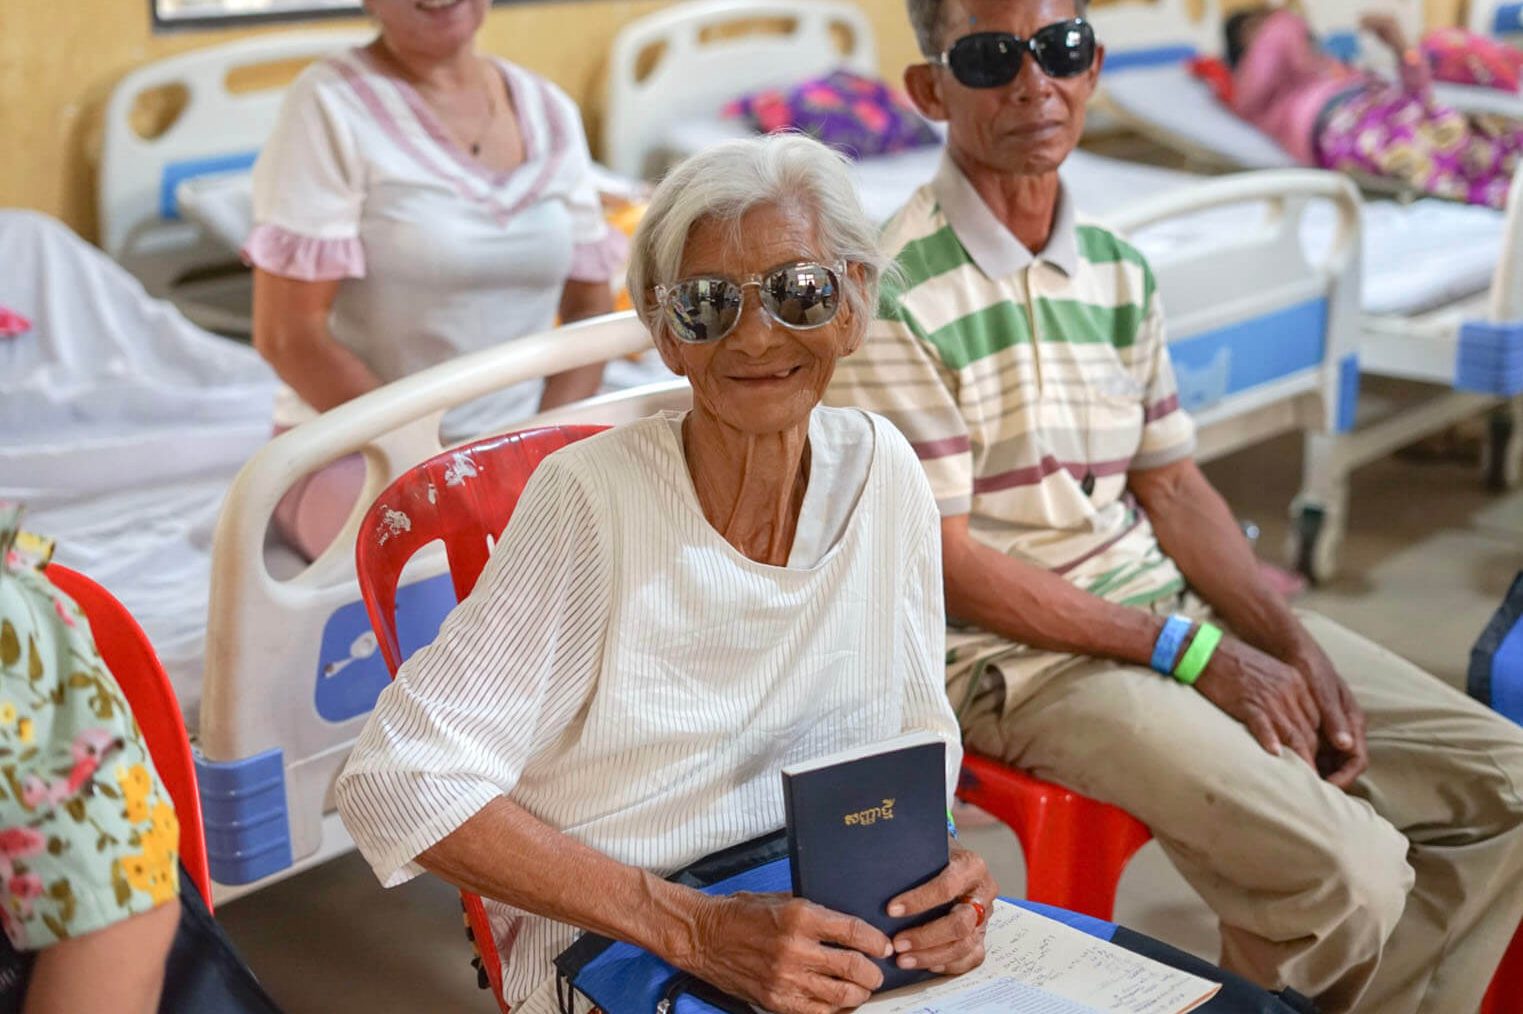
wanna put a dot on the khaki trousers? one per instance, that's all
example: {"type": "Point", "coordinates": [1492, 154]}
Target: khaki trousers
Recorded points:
{"type": "Point", "coordinates": [1399, 896]}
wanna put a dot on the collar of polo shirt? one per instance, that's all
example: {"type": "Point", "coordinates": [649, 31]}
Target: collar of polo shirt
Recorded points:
{"type": "Point", "coordinates": [993, 247]}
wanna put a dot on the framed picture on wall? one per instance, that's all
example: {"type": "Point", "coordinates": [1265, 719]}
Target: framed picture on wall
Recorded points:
{"type": "Point", "coordinates": [172, 14]}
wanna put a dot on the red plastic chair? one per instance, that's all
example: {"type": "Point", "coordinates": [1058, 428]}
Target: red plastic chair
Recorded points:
{"type": "Point", "coordinates": [129, 655]}
{"type": "Point", "coordinates": [463, 497]}
{"type": "Point", "coordinates": [1506, 993]}
{"type": "Point", "coordinates": [1075, 847]}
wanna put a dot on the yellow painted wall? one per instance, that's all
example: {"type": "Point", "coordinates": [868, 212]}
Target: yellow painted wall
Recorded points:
{"type": "Point", "coordinates": [60, 58]}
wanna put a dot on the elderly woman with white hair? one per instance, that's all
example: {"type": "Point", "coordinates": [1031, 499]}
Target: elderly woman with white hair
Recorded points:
{"type": "Point", "coordinates": [679, 608]}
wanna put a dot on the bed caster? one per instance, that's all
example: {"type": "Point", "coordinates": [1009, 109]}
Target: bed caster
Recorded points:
{"type": "Point", "coordinates": [1314, 543]}
{"type": "Point", "coordinates": [1502, 457]}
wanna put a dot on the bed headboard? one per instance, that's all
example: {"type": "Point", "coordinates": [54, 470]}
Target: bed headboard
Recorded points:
{"type": "Point", "coordinates": [1147, 33]}
{"type": "Point", "coordinates": [218, 130]}
{"type": "Point", "coordinates": [1500, 18]}
{"type": "Point", "coordinates": [692, 57]}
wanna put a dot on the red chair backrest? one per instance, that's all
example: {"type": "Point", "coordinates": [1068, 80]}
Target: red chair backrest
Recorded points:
{"type": "Point", "coordinates": [463, 497]}
{"type": "Point", "coordinates": [129, 655]}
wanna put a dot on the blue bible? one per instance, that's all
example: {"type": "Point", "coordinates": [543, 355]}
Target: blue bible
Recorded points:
{"type": "Point", "coordinates": [866, 825]}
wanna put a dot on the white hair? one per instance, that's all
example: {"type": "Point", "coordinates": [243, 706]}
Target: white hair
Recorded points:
{"type": "Point", "coordinates": [722, 183]}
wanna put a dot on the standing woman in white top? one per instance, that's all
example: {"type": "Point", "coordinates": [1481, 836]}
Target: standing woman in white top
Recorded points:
{"type": "Point", "coordinates": [418, 201]}
{"type": "Point", "coordinates": [678, 609]}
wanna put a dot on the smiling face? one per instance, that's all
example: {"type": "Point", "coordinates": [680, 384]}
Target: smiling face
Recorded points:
{"type": "Point", "coordinates": [428, 28]}
{"type": "Point", "coordinates": [1027, 127]}
{"type": "Point", "coordinates": [763, 377]}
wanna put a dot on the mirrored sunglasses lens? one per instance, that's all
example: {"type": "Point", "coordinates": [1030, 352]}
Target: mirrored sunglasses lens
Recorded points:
{"type": "Point", "coordinates": [703, 309]}
{"type": "Point", "coordinates": [802, 295]}
{"type": "Point", "coordinates": [986, 60]}
{"type": "Point", "coordinates": [1066, 49]}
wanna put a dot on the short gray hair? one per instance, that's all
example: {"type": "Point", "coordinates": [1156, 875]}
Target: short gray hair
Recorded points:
{"type": "Point", "coordinates": [724, 182]}
{"type": "Point", "coordinates": [925, 18]}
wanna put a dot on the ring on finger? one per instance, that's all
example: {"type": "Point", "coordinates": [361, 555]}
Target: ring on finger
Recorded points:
{"type": "Point", "coordinates": [979, 910]}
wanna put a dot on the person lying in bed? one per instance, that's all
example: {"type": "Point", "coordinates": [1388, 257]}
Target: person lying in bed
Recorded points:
{"type": "Point", "coordinates": [1329, 115]}
{"type": "Point", "coordinates": [418, 201]}
{"type": "Point", "coordinates": [679, 608]}
{"type": "Point", "coordinates": [1355, 824]}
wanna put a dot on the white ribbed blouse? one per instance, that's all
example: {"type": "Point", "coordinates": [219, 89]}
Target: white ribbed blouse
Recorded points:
{"type": "Point", "coordinates": [626, 675]}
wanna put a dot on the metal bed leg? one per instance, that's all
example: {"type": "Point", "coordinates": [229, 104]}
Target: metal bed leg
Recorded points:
{"type": "Point", "coordinates": [1319, 514]}
{"type": "Point", "coordinates": [1502, 457]}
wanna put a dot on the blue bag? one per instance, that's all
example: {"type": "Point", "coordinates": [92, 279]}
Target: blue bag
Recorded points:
{"type": "Point", "coordinates": [1496, 662]}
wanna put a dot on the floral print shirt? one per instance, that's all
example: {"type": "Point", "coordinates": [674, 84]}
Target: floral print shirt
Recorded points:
{"type": "Point", "coordinates": [88, 835]}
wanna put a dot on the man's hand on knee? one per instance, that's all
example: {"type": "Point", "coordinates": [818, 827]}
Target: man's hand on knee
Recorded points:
{"type": "Point", "coordinates": [1343, 753]}
{"type": "Point", "coordinates": [1274, 700]}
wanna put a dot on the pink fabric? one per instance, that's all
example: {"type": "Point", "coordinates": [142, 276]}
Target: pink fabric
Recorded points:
{"type": "Point", "coordinates": [1463, 57]}
{"type": "Point", "coordinates": [313, 511]}
{"type": "Point", "coordinates": [600, 261]}
{"type": "Point", "coordinates": [1284, 82]}
{"type": "Point", "coordinates": [12, 324]}
{"type": "Point", "coordinates": [304, 258]}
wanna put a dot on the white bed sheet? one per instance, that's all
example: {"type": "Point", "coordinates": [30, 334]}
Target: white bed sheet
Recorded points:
{"type": "Point", "coordinates": [1417, 257]}
{"type": "Point", "coordinates": [1170, 97]}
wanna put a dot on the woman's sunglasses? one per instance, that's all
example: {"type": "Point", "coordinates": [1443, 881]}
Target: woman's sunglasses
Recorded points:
{"type": "Point", "coordinates": [802, 296]}
{"type": "Point", "coordinates": [993, 59]}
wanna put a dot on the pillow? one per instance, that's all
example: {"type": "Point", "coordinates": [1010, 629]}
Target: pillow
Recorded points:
{"type": "Point", "coordinates": [1461, 57]}
{"type": "Point", "coordinates": [13, 324]}
{"type": "Point", "coordinates": [861, 116]}
{"type": "Point", "coordinates": [1215, 73]}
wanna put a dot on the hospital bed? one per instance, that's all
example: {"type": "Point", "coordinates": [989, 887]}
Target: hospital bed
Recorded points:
{"type": "Point", "coordinates": [164, 214]}
{"type": "Point", "coordinates": [293, 667]}
{"type": "Point", "coordinates": [1434, 273]}
{"type": "Point", "coordinates": [1502, 19]}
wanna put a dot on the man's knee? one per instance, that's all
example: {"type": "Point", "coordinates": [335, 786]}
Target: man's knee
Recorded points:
{"type": "Point", "coordinates": [1369, 880]}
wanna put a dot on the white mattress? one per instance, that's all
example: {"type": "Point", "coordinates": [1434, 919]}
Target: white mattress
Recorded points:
{"type": "Point", "coordinates": [1417, 257]}
{"type": "Point", "coordinates": [1170, 98]}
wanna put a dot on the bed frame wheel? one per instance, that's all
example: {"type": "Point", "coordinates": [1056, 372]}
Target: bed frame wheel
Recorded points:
{"type": "Point", "coordinates": [1502, 457]}
{"type": "Point", "coordinates": [1314, 543]}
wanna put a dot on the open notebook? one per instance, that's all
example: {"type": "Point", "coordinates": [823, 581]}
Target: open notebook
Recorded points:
{"type": "Point", "coordinates": [1035, 965]}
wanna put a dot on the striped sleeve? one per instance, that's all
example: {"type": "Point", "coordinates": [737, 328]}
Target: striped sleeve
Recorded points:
{"type": "Point", "coordinates": [1168, 432]}
{"type": "Point", "coordinates": [509, 670]}
{"type": "Point", "coordinates": [899, 375]}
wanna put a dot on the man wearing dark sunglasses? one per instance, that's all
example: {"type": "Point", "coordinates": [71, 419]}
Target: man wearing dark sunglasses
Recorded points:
{"type": "Point", "coordinates": [1110, 628]}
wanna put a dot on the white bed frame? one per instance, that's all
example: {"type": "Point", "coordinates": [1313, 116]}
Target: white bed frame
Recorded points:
{"type": "Point", "coordinates": [217, 132]}
{"type": "Point", "coordinates": [270, 753]}
{"type": "Point", "coordinates": [693, 57]}
{"type": "Point", "coordinates": [1467, 349]}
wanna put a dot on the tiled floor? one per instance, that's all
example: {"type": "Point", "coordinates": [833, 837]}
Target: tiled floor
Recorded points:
{"type": "Point", "coordinates": [1428, 554]}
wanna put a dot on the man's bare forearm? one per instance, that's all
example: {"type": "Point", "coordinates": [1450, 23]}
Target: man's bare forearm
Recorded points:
{"type": "Point", "coordinates": [1032, 606]}
{"type": "Point", "coordinates": [1198, 531]}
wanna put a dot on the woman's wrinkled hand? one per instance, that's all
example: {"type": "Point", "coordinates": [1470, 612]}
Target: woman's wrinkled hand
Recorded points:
{"type": "Point", "coordinates": [788, 955]}
{"type": "Point", "coordinates": [954, 943]}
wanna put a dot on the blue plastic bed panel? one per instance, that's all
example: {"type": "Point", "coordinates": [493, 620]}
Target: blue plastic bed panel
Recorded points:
{"type": "Point", "coordinates": [1159, 56]}
{"type": "Point", "coordinates": [1240, 357]}
{"type": "Point", "coordinates": [1490, 358]}
{"type": "Point", "coordinates": [1348, 392]}
{"type": "Point", "coordinates": [1508, 20]}
{"type": "Point", "coordinates": [176, 173]}
{"type": "Point", "coordinates": [350, 670]}
{"type": "Point", "coordinates": [243, 807]}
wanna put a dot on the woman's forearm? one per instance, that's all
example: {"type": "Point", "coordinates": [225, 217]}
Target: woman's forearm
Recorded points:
{"type": "Point", "coordinates": [291, 333]}
{"type": "Point", "coordinates": [505, 853]}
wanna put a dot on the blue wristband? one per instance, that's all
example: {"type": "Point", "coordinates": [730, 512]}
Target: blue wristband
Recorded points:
{"type": "Point", "coordinates": [951, 825]}
{"type": "Point", "coordinates": [1170, 640]}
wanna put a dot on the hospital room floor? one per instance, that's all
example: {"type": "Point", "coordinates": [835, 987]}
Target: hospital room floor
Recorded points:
{"type": "Point", "coordinates": [1428, 556]}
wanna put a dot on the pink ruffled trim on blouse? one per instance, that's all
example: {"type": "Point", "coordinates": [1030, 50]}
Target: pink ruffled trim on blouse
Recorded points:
{"type": "Point", "coordinates": [600, 261]}
{"type": "Point", "coordinates": [13, 324]}
{"type": "Point", "coordinates": [304, 258]}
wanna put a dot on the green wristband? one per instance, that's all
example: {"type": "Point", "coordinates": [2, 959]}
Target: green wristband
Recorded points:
{"type": "Point", "coordinates": [1199, 654]}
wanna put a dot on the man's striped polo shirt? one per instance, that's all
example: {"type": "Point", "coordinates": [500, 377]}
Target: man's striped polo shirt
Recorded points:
{"type": "Point", "coordinates": [1016, 375]}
